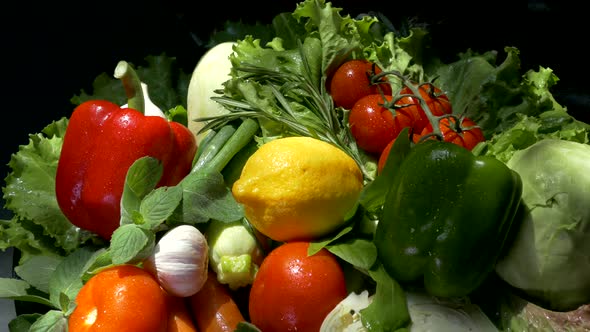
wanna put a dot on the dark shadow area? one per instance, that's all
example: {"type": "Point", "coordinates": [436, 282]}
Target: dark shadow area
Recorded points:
{"type": "Point", "coordinates": [49, 53]}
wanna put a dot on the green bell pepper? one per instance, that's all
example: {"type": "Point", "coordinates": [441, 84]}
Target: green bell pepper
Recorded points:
{"type": "Point", "coordinates": [446, 218]}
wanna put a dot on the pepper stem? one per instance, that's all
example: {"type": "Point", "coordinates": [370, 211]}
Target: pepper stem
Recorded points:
{"type": "Point", "coordinates": [132, 85]}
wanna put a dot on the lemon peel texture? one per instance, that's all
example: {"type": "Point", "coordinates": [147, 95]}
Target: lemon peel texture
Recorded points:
{"type": "Point", "coordinates": [298, 188]}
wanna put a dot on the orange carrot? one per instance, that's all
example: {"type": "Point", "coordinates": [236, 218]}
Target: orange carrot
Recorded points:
{"type": "Point", "coordinates": [213, 307]}
{"type": "Point", "coordinates": [179, 317]}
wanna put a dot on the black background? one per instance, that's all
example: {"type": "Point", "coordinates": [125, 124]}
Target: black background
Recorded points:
{"type": "Point", "coordinates": [50, 52]}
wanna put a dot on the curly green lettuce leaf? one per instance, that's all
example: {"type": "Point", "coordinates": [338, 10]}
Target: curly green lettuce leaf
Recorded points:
{"type": "Point", "coordinates": [38, 225]}
{"type": "Point", "coordinates": [494, 95]}
{"type": "Point", "coordinates": [401, 54]}
{"type": "Point", "coordinates": [339, 35]}
{"type": "Point", "coordinates": [556, 124]}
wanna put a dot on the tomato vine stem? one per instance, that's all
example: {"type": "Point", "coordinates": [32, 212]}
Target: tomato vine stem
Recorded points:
{"type": "Point", "coordinates": [415, 88]}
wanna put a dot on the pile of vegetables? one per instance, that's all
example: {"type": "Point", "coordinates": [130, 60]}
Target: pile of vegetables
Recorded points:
{"type": "Point", "coordinates": [473, 216]}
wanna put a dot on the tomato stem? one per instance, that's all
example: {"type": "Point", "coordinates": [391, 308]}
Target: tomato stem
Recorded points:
{"type": "Point", "coordinates": [433, 119]}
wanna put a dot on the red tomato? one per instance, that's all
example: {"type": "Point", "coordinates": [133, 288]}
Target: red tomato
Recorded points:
{"type": "Point", "coordinates": [407, 116]}
{"type": "Point", "coordinates": [371, 124]}
{"type": "Point", "coordinates": [352, 81]}
{"type": "Point", "coordinates": [120, 298]}
{"type": "Point", "coordinates": [435, 99]}
{"type": "Point", "coordinates": [383, 156]}
{"type": "Point", "coordinates": [293, 291]}
{"type": "Point", "coordinates": [467, 135]}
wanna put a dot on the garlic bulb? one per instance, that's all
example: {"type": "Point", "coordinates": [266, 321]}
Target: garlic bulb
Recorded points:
{"type": "Point", "coordinates": [180, 261]}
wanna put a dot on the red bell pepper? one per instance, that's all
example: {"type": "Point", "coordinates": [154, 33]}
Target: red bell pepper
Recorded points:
{"type": "Point", "coordinates": [101, 142]}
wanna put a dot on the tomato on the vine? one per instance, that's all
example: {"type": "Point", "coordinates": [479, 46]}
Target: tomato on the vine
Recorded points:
{"type": "Point", "coordinates": [352, 81]}
{"type": "Point", "coordinates": [437, 101]}
{"type": "Point", "coordinates": [383, 156]}
{"type": "Point", "coordinates": [371, 123]}
{"type": "Point", "coordinates": [293, 291]}
{"type": "Point", "coordinates": [466, 134]}
{"type": "Point", "coordinates": [123, 297]}
{"type": "Point", "coordinates": [385, 153]}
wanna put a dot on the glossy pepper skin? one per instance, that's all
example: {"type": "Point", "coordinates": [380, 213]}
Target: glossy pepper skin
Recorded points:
{"type": "Point", "coordinates": [101, 142]}
{"type": "Point", "coordinates": [446, 217]}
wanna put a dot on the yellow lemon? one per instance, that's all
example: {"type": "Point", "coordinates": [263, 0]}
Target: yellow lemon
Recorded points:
{"type": "Point", "coordinates": [298, 188]}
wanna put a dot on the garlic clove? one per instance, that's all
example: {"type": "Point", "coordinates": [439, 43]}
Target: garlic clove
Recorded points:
{"type": "Point", "coordinates": [180, 261]}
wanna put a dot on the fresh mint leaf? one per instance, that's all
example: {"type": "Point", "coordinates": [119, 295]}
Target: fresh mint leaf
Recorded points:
{"type": "Point", "coordinates": [137, 218]}
{"type": "Point", "coordinates": [159, 204]}
{"type": "Point", "coordinates": [38, 270]}
{"type": "Point", "coordinates": [65, 301]}
{"type": "Point", "coordinates": [67, 278]}
{"type": "Point", "coordinates": [10, 288]}
{"type": "Point", "coordinates": [23, 322]}
{"type": "Point", "coordinates": [205, 196]}
{"type": "Point", "coordinates": [142, 177]}
{"type": "Point", "coordinates": [100, 259]}
{"type": "Point", "coordinates": [20, 290]}
{"type": "Point", "coordinates": [131, 243]}
{"type": "Point", "coordinates": [52, 321]}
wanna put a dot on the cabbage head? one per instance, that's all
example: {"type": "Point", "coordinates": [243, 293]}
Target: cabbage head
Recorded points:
{"type": "Point", "coordinates": [549, 258]}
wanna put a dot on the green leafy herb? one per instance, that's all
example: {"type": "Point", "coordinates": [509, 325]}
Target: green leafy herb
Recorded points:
{"type": "Point", "coordinates": [16, 289]}
{"type": "Point", "coordinates": [38, 226]}
{"type": "Point", "coordinates": [206, 197]}
{"type": "Point", "coordinates": [66, 280]}
{"type": "Point", "coordinates": [159, 204]}
{"type": "Point", "coordinates": [37, 271]}
{"type": "Point", "coordinates": [130, 244]}
{"type": "Point", "coordinates": [142, 177]}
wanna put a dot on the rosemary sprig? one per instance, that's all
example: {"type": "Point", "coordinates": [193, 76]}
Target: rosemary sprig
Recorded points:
{"type": "Point", "coordinates": [326, 123]}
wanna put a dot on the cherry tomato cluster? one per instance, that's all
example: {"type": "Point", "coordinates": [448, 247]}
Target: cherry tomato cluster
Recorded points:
{"type": "Point", "coordinates": [377, 116]}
